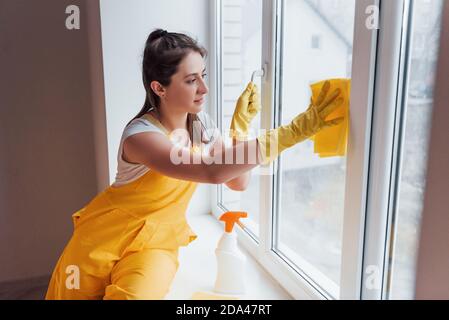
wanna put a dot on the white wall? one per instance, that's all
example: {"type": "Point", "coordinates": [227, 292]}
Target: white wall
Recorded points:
{"type": "Point", "coordinates": [52, 130]}
{"type": "Point", "coordinates": [125, 27]}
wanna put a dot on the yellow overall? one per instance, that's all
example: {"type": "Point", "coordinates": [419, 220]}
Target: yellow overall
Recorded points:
{"type": "Point", "coordinates": [125, 242]}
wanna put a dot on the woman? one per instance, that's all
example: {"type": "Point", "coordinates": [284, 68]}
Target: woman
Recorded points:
{"type": "Point", "coordinates": [126, 240]}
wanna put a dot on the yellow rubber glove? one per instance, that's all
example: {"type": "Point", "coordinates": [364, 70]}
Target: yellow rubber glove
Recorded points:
{"type": "Point", "coordinates": [333, 142]}
{"type": "Point", "coordinates": [303, 126]}
{"type": "Point", "coordinates": [247, 107]}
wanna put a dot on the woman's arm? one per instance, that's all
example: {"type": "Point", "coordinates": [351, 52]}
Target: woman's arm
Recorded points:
{"type": "Point", "coordinates": [157, 152]}
{"type": "Point", "coordinates": [239, 183]}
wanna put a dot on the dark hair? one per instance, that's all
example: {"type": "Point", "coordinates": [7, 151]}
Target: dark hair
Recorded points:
{"type": "Point", "coordinates": [163, 53]}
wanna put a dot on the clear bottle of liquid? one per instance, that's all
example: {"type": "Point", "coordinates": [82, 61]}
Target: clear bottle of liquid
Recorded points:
{"type": "Point", "coordinates": [230, 260]}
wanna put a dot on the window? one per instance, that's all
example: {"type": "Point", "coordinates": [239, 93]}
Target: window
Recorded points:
{"type": "Point", "coordinates": [242, 52]}
{"type": "Point", "coordinates": [311, 189]}
{"type": "Point", "coordinates": [341, 227]}
{"type": "Point", "coordinates": [412, 156]}
{"type": "Point", "coordinates": [316, 42]}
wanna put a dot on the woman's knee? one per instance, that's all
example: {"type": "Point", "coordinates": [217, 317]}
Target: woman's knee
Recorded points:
{"type": "Point", "coordinates": [144, 275]}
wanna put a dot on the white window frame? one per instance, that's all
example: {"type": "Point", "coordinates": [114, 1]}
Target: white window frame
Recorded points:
{"type": "Point", "coordinates": [375, 73]}
{"type": "Point", "coordinates": [383, 170]}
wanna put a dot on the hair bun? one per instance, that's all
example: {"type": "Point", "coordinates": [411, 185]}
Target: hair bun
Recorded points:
{"type": "Point", "coordinates": [156, 34]}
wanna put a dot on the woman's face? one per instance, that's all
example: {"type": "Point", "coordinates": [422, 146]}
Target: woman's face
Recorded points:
{"type": "Point", "coordinates": [187, 85]}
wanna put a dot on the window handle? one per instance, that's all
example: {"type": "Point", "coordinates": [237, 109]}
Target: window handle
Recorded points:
{"type": "Point", "coordinates": [258, 73]}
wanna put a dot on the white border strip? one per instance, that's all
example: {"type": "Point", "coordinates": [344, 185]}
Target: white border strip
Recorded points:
{"type": "Point", "coordinates": [381, 160]}
{"type": "Point", "coordinates": [362, 93]}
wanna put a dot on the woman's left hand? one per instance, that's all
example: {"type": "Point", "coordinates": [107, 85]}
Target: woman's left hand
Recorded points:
{"type": "Point", "coordinates": [247, 107]}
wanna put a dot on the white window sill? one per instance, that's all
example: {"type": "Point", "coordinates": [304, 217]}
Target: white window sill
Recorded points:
{"type": "Point", "coordinates": [198, 267]}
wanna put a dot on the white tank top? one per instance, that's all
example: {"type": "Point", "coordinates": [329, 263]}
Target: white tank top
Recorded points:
{"type": "Point", "coordinates": [128, 172]}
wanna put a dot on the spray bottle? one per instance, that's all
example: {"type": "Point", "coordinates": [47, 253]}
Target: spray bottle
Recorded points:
{"type": "Point", "coordinates": [230, 260]}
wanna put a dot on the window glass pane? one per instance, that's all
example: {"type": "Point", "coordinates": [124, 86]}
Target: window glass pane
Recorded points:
{"type": "Point", "coordinates": [241, 55]}
{"type": "Point", "coordinates": [317, 45]}
{"type": "Point", "coordinates": [425, 36]}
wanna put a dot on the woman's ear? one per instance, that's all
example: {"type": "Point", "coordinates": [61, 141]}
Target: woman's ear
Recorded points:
{"type": "Point", "coordinates": [157, 88]}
